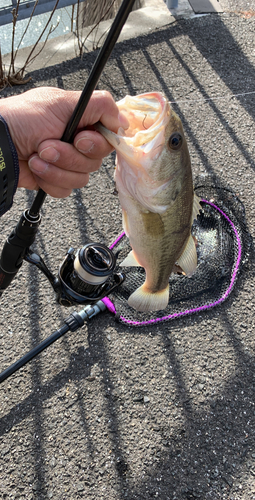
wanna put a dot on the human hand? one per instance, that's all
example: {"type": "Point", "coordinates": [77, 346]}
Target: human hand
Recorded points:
{"type": "Point", "coordinates": [37, 120]}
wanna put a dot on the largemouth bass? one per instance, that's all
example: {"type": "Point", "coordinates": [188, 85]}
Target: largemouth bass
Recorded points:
{"type": "Point", "coordinates": [154, 183]}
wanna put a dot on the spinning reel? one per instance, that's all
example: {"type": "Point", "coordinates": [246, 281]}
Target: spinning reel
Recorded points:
{"type": "Point", "coordinates": [85, 276]}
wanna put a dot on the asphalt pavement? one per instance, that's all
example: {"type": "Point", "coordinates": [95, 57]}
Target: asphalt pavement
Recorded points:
{"type": "Point", "coordinates": [114, 411]}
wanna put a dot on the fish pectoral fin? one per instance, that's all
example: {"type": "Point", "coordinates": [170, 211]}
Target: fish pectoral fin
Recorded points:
{"type": "Point", "coordinates": [196, 207]}
{"type": "Point", "coordinates": [130, 261]}
{"type": "Point", "coordinates": [188, 259]}
{"type": "Point", "coordinates": [143, 300]}
{"type": "Point", "coordinates": [125, 222]}
{"type": "Point", "coordinates": [177, 269]}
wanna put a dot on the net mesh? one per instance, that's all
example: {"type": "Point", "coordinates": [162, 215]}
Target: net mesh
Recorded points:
{"type": "Point", "coordinates": [223, 247]}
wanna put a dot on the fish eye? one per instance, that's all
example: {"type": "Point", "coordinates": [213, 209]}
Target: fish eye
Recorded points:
{"type": "Point", "coordinates": [175, 141]}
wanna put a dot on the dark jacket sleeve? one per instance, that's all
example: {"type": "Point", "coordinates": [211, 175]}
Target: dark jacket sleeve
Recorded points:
{"type": "Point", "coordinates": [9, 168]}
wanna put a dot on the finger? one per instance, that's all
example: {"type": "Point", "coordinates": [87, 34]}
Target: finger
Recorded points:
{"type": "Point", "coordinates": [54, 191]}
{"type": "Point", "coordinates": [93, 147]}
{"type": "Point", "coordinates": [29, 180]}
{"type": "Point", "coordinates": [92, 144]}
{"type": "Point", "coordinates": [55, 176]}
{"type": "Point", "coordinates": [101, 107]}
{"type": "Point", "coordinates": [26, 177]}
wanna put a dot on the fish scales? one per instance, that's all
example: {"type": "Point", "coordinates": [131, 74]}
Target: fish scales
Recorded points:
{"type": "Point", "coordinates": [154, 182]}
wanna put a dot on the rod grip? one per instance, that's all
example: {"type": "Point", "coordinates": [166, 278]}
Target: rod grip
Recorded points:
{"type": "Point", "coordinates": [15, 248]}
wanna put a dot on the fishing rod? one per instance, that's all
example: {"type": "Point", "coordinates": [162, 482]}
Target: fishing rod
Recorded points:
{"type": "Point", "coordinates": [72, 323]}
{"type": "Point", "coordinates": [88, 276]}
{"type": "Point", "coordinates": [85, 276]}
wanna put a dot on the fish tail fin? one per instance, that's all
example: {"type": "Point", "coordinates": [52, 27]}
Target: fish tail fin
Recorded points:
{"type": "Point", "coordinates": [143, 300]}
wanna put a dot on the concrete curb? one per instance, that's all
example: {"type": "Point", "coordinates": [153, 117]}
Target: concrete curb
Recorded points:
{"type": "Point", "coordinates": [153, 15]}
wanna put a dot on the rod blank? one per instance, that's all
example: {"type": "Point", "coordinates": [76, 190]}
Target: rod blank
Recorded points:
{"type": "Point", "coordinates": [90, 86]}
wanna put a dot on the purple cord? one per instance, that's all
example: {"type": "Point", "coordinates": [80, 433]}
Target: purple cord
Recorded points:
{"type": "Point", "coordinates": [111, 306]}
{"type": "Point", "coordinates": [117, 241]}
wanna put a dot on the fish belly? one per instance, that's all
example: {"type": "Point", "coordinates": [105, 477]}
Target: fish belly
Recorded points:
{"type": "Point", "coordinates": [157, 241]}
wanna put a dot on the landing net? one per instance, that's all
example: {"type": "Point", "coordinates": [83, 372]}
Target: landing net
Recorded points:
{"type": "Point", "coordinates": [223, 248]}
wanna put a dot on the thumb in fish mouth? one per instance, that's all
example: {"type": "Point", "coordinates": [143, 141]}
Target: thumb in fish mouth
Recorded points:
{"type": "Point", "coordinates": [113, 138]}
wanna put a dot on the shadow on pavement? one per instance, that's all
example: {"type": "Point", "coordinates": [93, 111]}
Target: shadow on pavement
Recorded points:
{"type": "Point", "coordinates": [198, 457]}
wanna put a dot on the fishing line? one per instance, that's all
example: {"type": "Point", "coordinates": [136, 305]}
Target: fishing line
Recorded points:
{"type": "Point", "coordinates": [228, 96]}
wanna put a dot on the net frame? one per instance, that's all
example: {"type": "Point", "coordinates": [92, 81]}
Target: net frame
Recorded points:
{"type": "Point", "coordinates": [241, 241]}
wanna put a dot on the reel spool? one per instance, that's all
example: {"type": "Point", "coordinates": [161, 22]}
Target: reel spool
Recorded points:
{"type": "Point", "coordinates": [87, 275]}
{"type": "Point", "coordinates": [93, 264]}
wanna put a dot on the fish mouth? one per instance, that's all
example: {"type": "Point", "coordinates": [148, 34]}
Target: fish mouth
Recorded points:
{"type": "Point", "coordinates": [148, 115]}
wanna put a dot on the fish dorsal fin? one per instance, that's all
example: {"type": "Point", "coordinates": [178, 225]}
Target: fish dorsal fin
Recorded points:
{"type": "Point", "coordinates": [130, 261]}
{"type": "Point", "coordinates": [188, 259]}
{"type": "Point", "coordinates": [196, 207]}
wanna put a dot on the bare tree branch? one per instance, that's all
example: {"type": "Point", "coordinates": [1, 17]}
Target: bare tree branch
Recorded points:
{"type": "Point", "coordinates": [90, 11]}
{"type": "Point", "coordinates": [99, 13]}
{"type": "Point", "coordinates": [29, 59]}
{"type": "Point", "coordinates": [27, 26]}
